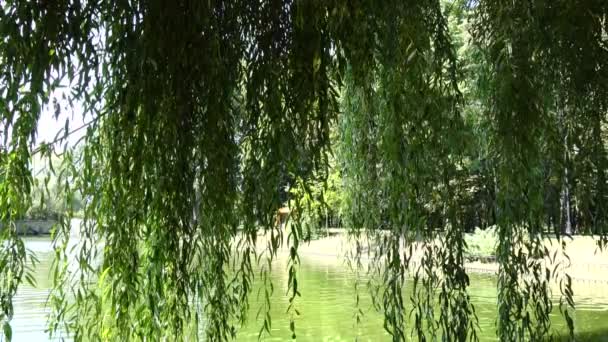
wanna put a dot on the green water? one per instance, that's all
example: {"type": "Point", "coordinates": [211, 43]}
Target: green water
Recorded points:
{"type": "Point", "coordinates": [326, 306]}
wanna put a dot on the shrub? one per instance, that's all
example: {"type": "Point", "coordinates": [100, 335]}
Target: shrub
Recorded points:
{"type": "Point", "coordinates": [481, 244]}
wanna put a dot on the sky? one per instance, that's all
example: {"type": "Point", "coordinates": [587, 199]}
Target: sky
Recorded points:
{"type": "Point", "coordinates": [52, 127]}
{"type": "Point", "coordinates": [49, 126]}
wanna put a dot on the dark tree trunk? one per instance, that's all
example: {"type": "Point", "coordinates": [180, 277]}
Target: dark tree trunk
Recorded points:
{"type": "Point", "coordinates": [565, 195]}
{"type": "Point", "coordinates": [565, 201]}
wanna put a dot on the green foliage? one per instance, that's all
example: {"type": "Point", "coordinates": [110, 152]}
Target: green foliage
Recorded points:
{"type": "Point", "coordinates": [319, 202]}
{"type": "Point", "coordinates": [481, 244]}
{"type": "Point", "coordinates": [450, 115]}
{"type": "Point", "coordinates": [51, 204]}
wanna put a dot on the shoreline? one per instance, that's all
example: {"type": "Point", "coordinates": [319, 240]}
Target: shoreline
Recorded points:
{"type": "Point", "coordinates": [587, 265]}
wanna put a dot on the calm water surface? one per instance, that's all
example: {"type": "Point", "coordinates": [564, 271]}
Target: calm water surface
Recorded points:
{"type": "Point", "coordinates": [326, 306]}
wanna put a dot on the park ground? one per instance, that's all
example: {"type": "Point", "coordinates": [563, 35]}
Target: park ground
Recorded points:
{"type": "Point", "coordinates": [587, 267]}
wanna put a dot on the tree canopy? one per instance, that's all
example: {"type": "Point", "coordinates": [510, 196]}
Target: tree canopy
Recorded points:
{"type": "Point", "coordinates": [202, 109]}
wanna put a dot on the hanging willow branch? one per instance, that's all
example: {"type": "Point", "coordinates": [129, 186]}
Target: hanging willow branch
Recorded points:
{"type": "Point", "coordinates": [400, 145]}
{"type": "Point", "coordinates": [204, 110]}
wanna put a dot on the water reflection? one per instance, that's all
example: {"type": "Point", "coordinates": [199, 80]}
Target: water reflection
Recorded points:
{"type": "Point", "coordinates": [326, 306]}
{"type": "Point", "coordinates": [29, 321]}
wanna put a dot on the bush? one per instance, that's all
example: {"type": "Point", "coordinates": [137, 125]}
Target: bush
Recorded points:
{"type": "Point", "coordinates": [481, 244]}
{"type": "Point", "coordinates": [42, 213]}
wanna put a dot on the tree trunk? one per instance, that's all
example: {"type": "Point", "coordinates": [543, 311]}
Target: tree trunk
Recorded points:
{"type": "Point", "coordinates": [565, 197]}
{"type": "Point", "coordinates": [599, 215]}
{"type": "Point", "coordinates": [566, 205]}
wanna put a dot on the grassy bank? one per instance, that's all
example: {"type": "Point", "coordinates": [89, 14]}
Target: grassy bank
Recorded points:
{"type": "Point", "coordinates": [587, 263]}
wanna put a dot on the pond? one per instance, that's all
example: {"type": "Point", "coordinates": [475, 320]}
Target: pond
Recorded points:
{"type": "Point", "coordinates": [326, 306]}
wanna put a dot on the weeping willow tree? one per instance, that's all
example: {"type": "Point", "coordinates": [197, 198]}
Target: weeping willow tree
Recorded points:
{"type": "Point", "coordinates": [201, 109]}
